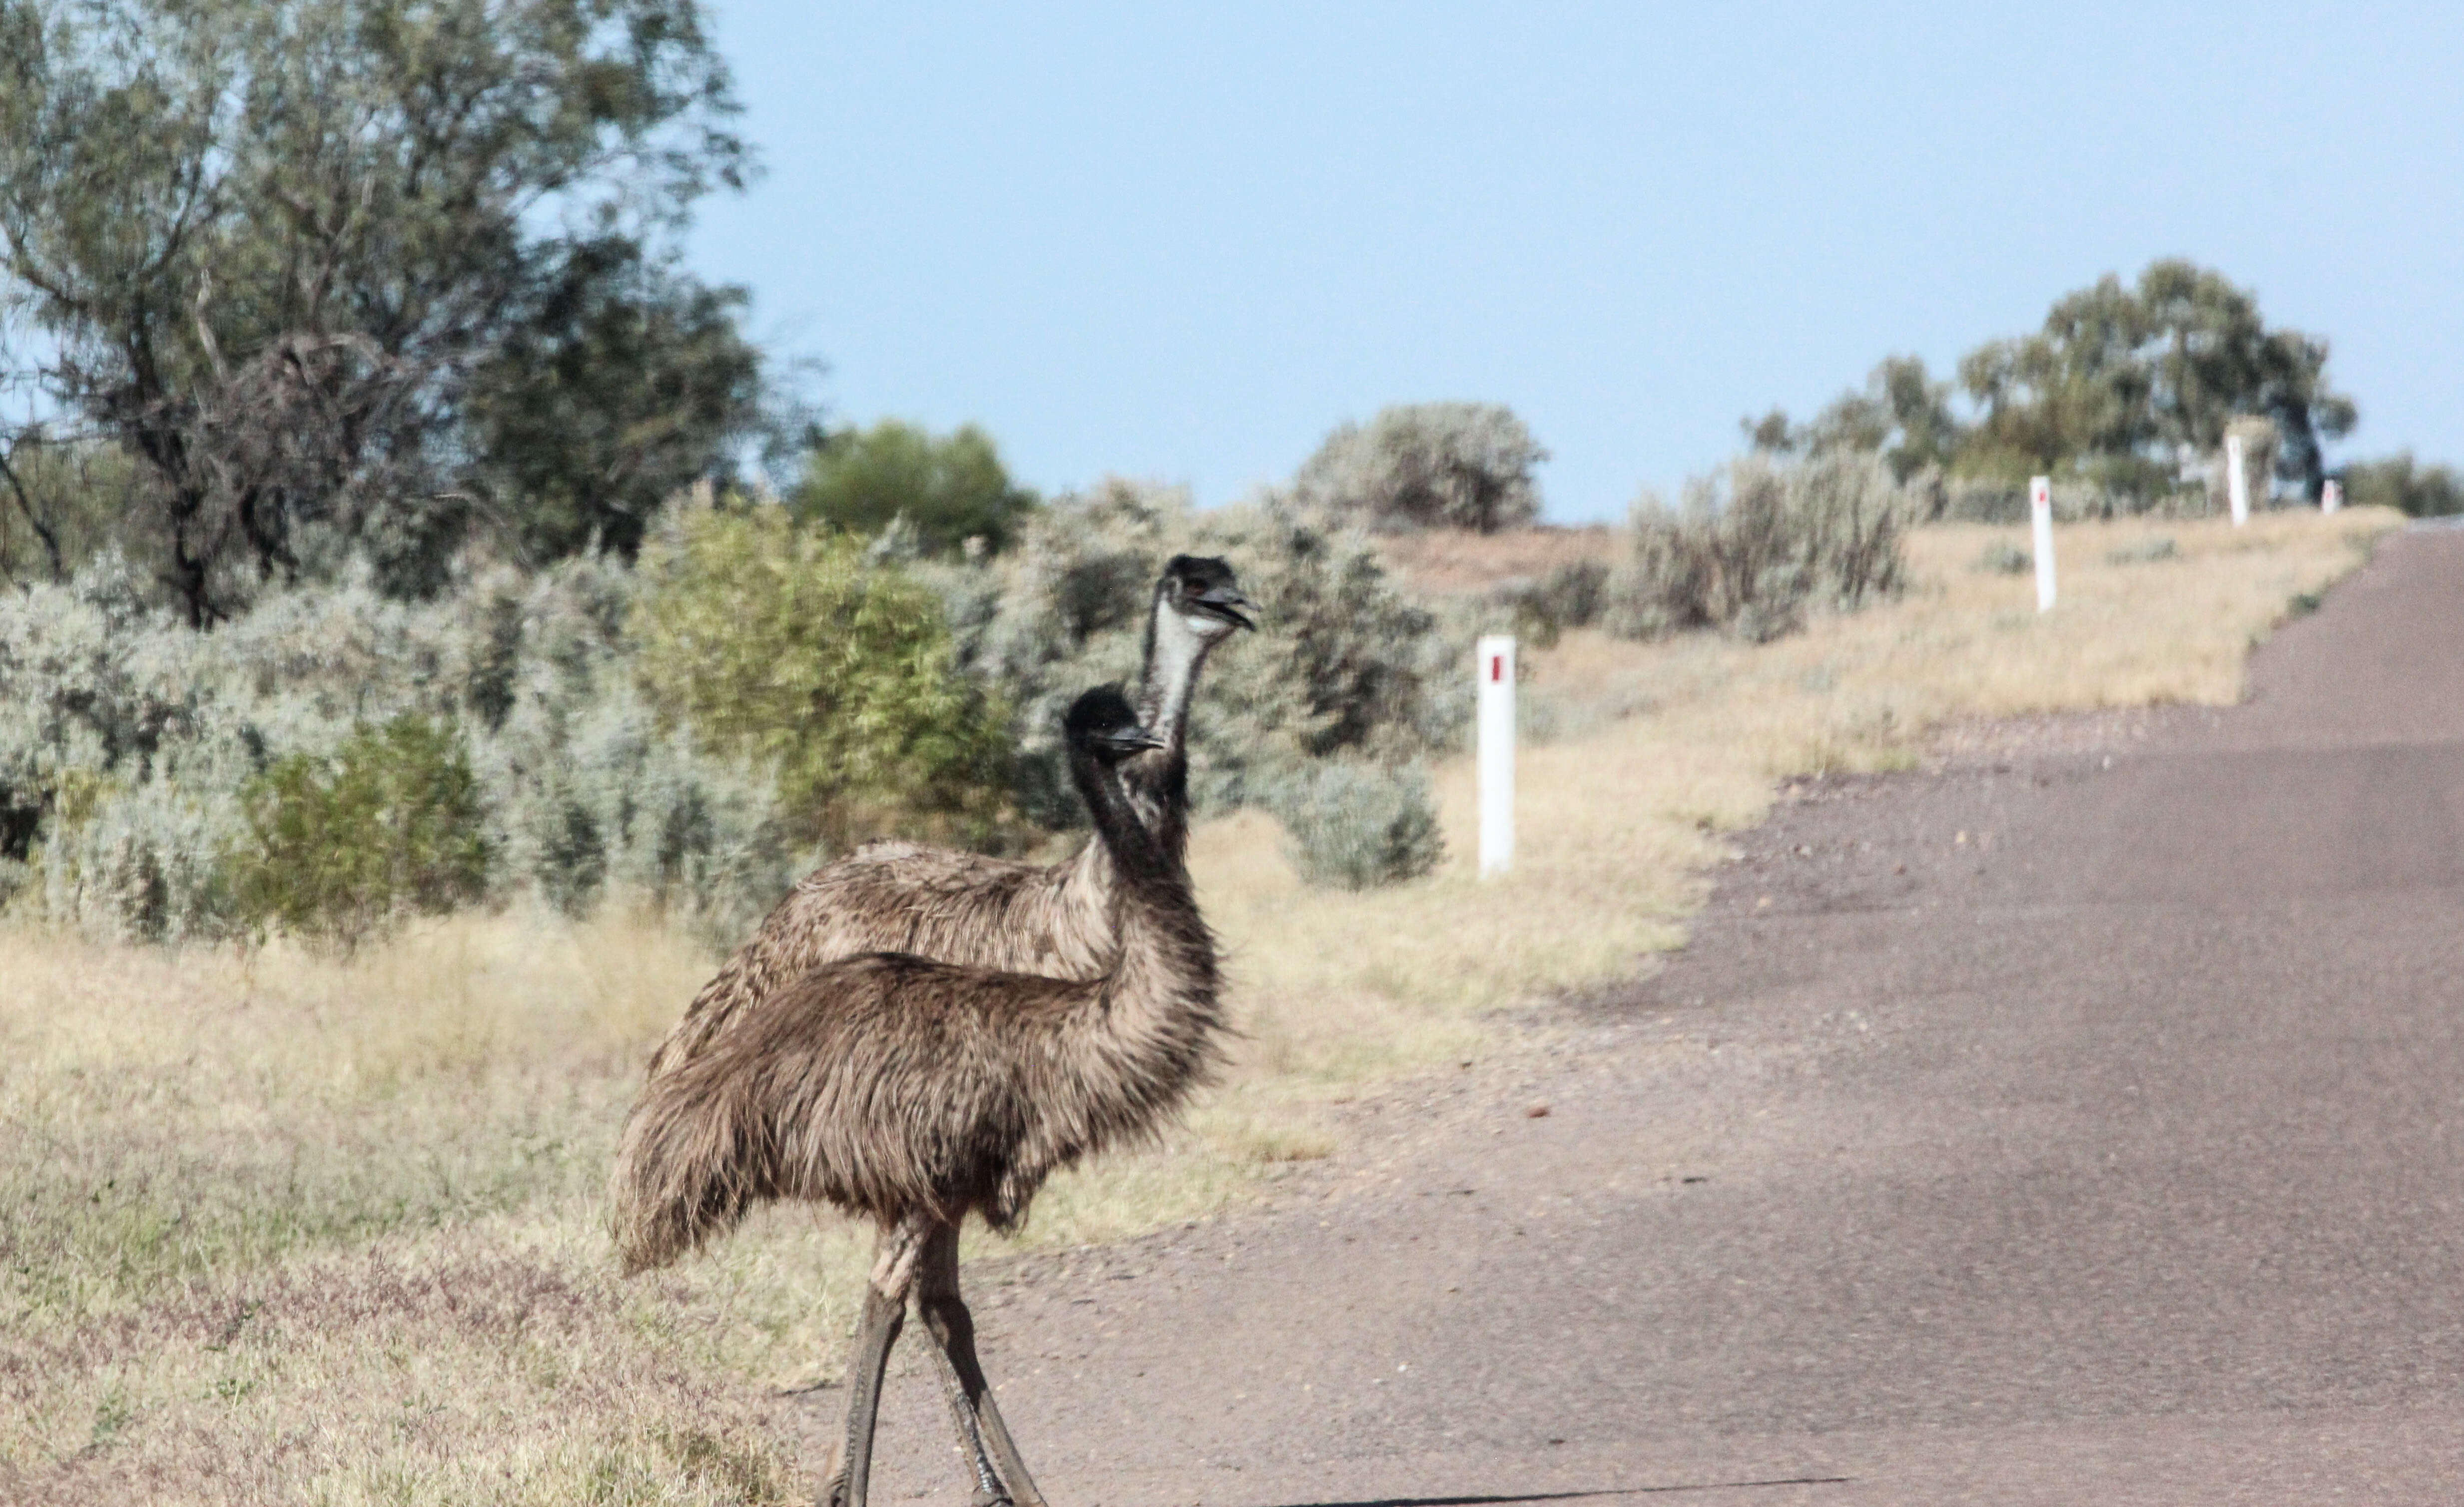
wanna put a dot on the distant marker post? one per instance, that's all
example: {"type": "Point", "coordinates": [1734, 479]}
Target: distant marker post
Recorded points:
{"type": "Point", "coordinates": [2040, 518]}
{"type": "Point", "coordinates": [2331, 496]}
{"type": "Point", "coordinates": [2237, 482]}
{"type": "Point", "coordinates": [1494, 666]}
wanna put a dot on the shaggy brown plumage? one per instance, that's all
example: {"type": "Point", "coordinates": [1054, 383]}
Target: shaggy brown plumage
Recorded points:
{"type": "Point", "coordinates": [963, 907]}
{"type": "Point", "coordinates": [917, 1091]}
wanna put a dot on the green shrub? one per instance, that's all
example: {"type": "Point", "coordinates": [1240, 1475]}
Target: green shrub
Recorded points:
{"type": "Point", "coordinates": [788, 648]}
{"type": "Point", "coordinates": [2002, 557]}
{"type": "Point", "coordinates": [340, 846]}
{"type": "Point", "coordinates": [1349, 825]}
{"type": "Point", "coordinates": [947, 490]}
{"type": "Point", "coordinates": [1751, 552]}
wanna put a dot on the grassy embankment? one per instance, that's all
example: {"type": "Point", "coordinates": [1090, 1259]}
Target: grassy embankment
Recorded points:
{"type": "Point", "coordinates": [289, 1227]}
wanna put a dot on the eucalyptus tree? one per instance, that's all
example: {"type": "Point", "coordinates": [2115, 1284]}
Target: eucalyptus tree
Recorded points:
{"type": "Point", "coordinates": [2119, 385]}
{"type": "Point", "coordinates": [2122, 381]}
{"type": "Point", "coordinates": [1901, 413]}
{"type": "Point", "coordinates": [286, 255]}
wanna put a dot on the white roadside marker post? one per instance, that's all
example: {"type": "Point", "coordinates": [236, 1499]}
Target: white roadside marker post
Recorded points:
{"type": "Point", "coordinates": [1495, 670]}
{"type": "Point", "coordinates": [2040, 516]}
{"type": "Point", "coordinates": [2236, 483]}
{"type": "Point", "coordinates": [2331, 496]}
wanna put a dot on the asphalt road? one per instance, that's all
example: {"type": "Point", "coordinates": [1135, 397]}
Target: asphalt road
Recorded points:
{"type": "Point", "coordinates": [2082, 1125]}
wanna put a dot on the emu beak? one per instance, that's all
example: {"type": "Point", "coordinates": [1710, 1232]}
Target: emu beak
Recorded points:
{"type": "Point", "coordinates": [1129, 740]}
{"type": "Point", "coordinates": [1226, 602]}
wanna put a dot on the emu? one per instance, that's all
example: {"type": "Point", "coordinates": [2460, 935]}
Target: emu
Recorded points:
{"type": "Point", "coordinates": [915, 1092]}
{"type": "Point", "coordinates": [964, 908]}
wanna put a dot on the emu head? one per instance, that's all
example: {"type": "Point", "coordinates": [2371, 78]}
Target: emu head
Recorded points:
{"type": "Point", "coordinates": [1203, 596]}
{"type": "Point", "coordinates": [1100, 723]}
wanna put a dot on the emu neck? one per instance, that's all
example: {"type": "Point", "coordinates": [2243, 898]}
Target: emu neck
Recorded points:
{"type": "Point", "coordinates": [1159, 998]}
{"type": "Point", "coordinates": [1176, 651]}
{"type": "Point", "coordinates": [1157, 781]}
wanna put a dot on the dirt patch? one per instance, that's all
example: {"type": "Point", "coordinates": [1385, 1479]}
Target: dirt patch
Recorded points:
{"type": "Point", "coordinates": [1964, 741]}
{"type": "Point", "coordinates": [1449, 563]}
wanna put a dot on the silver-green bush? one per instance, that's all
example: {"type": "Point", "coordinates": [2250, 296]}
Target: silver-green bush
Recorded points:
{"type": "Point", "coordinates": [1349, 825]}
{"type": "Point", "coordinates": [1344, 665]}
{"type": "Point", "coordinates": [1427, 465]}
{"type": "Point", "coordinates": [1750, 552]}
{"type": "Point", "coordinates": [128, 742]}
{"type": "Point", "coordinates": [130, 737]}
{"type": "Point", "coordinates": [1970, 499]}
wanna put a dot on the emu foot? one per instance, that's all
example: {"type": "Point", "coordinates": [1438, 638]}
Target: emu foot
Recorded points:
{"type": "Point", "coordinates": [834, 1492]}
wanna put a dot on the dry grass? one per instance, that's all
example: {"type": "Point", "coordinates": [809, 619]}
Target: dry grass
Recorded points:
{"type": "Point", "coordinates": [283, 1228]}
{"type": "Point", "coordinates": [286, 1228]}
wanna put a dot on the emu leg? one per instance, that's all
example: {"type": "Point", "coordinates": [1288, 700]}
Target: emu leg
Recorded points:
{"type": "Point", "coordinates": [851, 1470]}
{"type": "Point", "coordinates": [972, 1407]}
{"type": "Point", "coordinates": [894, 1258]}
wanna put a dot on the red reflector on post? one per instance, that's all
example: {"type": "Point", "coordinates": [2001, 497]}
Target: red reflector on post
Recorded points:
{"type": "Point", "coordinates": [1496, 669]}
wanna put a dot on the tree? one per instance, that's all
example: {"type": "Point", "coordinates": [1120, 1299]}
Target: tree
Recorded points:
{"type": "Point", "coordinates": [1429, 465]}
{"type": "Point", "coordinates": [266, 248]}
{"type": "Point", "coordinates": [624, 383]}
{"type": "Point", "coordinates": [2120, 387]}
{"type": "Point", "coordinates": [949, 489]}
{"type": "Point", "coordinates": [2398, 481]}
{"type": "Point", "coordinates": [60, 504]}
{"type": "Point", "coordinates": [1901, 414]}
{"type": "Point", "coordinates": [2122, 384]}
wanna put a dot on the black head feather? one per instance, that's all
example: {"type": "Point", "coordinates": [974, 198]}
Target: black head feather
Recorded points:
{"type": "Point", "coordinates": [1206, 585]}
{"type": "Point", "coordinates": [1102, 722]}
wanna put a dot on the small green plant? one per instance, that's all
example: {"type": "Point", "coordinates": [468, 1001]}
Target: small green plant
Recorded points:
{"type": "Point", "coordinates": [2142, 551]}
{"type": "Point", "coordinates": [338, 847]}
{"type": "Point", "coordinates": [1357, 826]}
{"type": "Point", "coordinates": [788, 647]}
{"type": "Point", "coordinates": [111, 1415]}
{"type": "Point", "coordinates": [2006, 559]}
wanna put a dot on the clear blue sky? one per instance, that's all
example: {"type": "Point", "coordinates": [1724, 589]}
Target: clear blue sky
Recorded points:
{"type": "Point", "coordinates": [1181, 242]}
